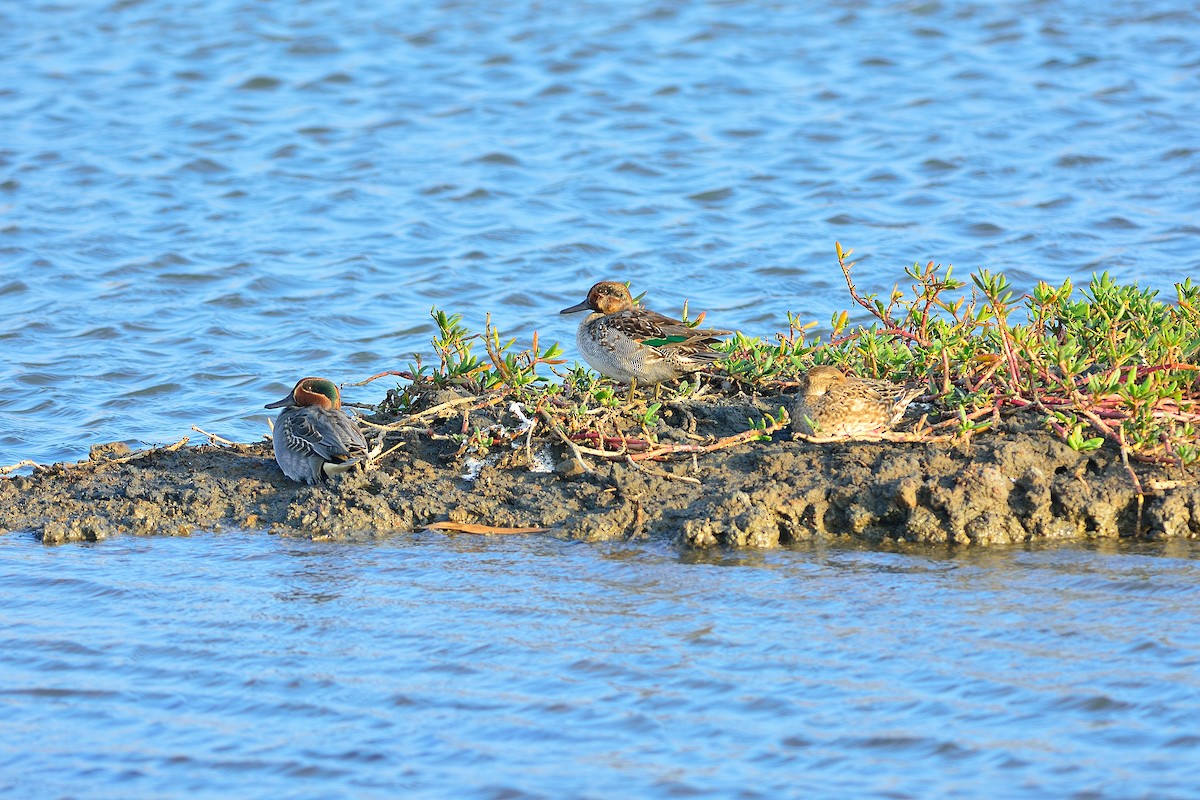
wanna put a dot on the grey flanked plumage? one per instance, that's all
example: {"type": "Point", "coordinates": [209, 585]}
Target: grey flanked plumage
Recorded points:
{"type": "Point", "coordinates": [313, 437]}
{"type": "Point", "coordinates": [635, 345]}
{"type": "Point", "coordinates": [841, 406]}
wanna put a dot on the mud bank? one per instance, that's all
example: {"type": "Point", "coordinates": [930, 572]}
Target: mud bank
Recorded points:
{"type": "Point", "coordinates": [1015, 483]}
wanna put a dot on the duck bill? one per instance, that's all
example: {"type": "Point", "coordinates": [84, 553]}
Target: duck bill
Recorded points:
{"type": "Point", "coordinates": [576, 308]}
{"type": "Point", "coordinates": [287, 401]}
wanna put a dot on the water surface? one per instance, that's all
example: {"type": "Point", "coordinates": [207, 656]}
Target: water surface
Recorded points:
{"type": "Point", "coordinates": [201, 202]}
{"type": "Point", "coordinates": [428, 666]}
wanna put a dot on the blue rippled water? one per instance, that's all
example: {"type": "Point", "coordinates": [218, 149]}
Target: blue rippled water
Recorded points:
{"type": "Point", "coordinates": [202, 201]}
{"type": "Point", "coordinates": [235, 665]}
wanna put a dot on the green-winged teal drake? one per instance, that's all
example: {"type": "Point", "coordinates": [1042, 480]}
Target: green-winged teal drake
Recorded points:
{"type": "Point", "coordinates": [313, 437]}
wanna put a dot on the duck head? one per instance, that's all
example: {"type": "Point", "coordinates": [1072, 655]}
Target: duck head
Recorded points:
{"type": "Point", "coordinates": [606, 297]}
{"type": "Point", "coordinates": [818, 379]}
{"type": "Point", "coordinates": [317, 392]}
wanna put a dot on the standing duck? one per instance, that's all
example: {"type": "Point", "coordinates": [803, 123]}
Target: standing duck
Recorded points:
{"type": "Point", "coordinates": [841, 406]}
{"type": "Point", "coordinates": [635, 345]}
{"type": "Point", "coordinates": [313, 437]}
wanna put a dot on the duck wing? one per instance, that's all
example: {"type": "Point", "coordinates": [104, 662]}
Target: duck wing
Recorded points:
{"type": "Point", "coordinates": [656, 330]}
{"type": "Point", "coordinates": [897, 396]}
{"type": "Point", "coordinates": [329, 434]}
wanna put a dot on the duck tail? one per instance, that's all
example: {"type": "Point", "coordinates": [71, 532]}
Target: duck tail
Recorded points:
{"type": "Point", "coordinates": [331, 468]}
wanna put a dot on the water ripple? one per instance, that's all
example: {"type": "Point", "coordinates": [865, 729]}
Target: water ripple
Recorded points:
{"type": "Point", "coordinates": [273, 185]}
{"type": "Point", "coordinates": [629, 671]}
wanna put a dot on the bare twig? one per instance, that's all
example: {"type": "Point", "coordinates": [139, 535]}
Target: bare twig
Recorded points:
{"type": "Point", "coordinates": [377, 455]}
{"type": "Point", "coordinates": [171, 448]}
{"type": "Point", "coordinates": [18, 465]}
{"type": "Point", "coordinates": [1137, 484]}
{"type": "Point", "coordinates": [397, 373]}
{"type": "Point", "coordinates": [484, 530]}
{"type": "Point", "coordinates": [661, 453]}
{"type": "Point", "coordinates": [433, 410]}
{"type": "Point", "coordinates": [882, 316]}
{"type": "Point", "coordinates": [528, 437]}
{"type": "Point", "coordinates": [212, 437]}
{"type": "Point", "coordinates": [882, 436]}
{"type": "Point", "coordinates": [660, 473]}
{"type": "Point", "coordinates": [576, 451]}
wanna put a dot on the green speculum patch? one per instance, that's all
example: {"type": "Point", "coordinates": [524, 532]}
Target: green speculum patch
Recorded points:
{"type": "Point", "coordinates": [663, 342]}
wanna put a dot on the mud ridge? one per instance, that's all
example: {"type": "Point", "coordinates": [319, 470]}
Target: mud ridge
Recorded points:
{"type": "Point", "coordinates": [1016, 483]}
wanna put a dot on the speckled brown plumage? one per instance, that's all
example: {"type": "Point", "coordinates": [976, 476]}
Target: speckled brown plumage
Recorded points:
{"type": "Point", "coordinates": [842, 406]}
{"type": "Point", "coordinates": [629, 343]}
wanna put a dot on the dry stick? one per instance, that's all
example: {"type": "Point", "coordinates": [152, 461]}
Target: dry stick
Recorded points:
{"type": "Point", "coordinates": [389, 451]}
{"type": "Point", "coordinates": [921, 425]}
{"type": "Point", "coordinates": [374, 450]}
{"type": "Point", "coordinates": [18, 465]}
{"type": "Point", "coordinates": [885, 318]}
{"type": "Point", "coordinates": [212, 437]}
{"type": "Point", "coordinates": [1137, 484]}
{"type": "Point", "coordinates": [483, 530]}
{"type": "Point", "coordinates": [882, 436]}
{"type": "Point", "coordinates": [729, 441]}
{"type": "Point", "coordinates": [391, 426]}
{"type": "Point", "coordinates": [378, 454]}
{"type": "Point", "coordinates": [398, 373]}
{"type": "Point", "coordinates": [639, 518]}
{"type": "Point", "coordinates": [608, 455]}
{"type": "Point", "coordinates": [386, 429]}
{"type": "Point", "coordinates": [528, 438]}
{"type": "Point", "coordinates": [171, 448]}
{"type": "Point", "coordinates": [660, 473]}
{"type": "Point", "coordinates": [576, 451]}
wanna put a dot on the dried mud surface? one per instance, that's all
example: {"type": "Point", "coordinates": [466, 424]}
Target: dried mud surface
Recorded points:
{"type": "Point", "coordinates": [1015, 483]}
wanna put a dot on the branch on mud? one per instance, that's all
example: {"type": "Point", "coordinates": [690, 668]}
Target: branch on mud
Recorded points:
{"type": "Point", "coordinates": [660, 473]}
{"type": "Point", "coordinates": [19, 465]}
{"type": "Point", "coordinates": [576, 451]}
{"type": "Point", "coordinates": [212, 437]}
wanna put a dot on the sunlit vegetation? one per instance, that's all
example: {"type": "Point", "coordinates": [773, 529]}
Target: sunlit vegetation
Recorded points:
{"type": "Point", "coordinates": [1104, 364]}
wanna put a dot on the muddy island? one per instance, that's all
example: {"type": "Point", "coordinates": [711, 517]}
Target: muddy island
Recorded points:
{"type": "Point", "coordinates": [1074, 423]}
{"type": "Point", "coordinates": [1017, 483]}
